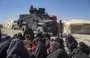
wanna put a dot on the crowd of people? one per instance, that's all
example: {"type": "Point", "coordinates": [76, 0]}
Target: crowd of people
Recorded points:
{"type": "Point", "coordinates": [41, 46]}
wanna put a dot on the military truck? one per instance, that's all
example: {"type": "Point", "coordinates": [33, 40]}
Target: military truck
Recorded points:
{"type": "Point", "coordinates": [48, 26]}
{"type": "Point", "coordinates": [38, 20]}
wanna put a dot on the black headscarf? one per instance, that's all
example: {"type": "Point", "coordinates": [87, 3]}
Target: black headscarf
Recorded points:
{"type": "Point", "coordinates": [30, 32]}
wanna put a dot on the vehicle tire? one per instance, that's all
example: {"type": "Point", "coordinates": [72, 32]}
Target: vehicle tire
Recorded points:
{"type": "Point", "coordinates": [23, 28]}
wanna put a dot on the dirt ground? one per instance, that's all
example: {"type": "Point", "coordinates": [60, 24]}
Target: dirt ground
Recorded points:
{"type": "Point", "coordinates": [79, 37]}
{"type": "Point", "coordinates": [82, 38]}
{"type": "Point", "coordinates": [10, 32]}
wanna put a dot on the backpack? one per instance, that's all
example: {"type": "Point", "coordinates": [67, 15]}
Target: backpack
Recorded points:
{"type": "Point", "coordinates": [80, 54]}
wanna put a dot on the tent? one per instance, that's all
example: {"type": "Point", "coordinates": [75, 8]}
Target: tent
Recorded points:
{"type": "Point", "coordinates": [77, 26]}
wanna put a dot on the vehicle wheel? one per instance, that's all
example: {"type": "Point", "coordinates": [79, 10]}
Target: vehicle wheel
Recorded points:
{"type": "Point", "coordinates": [23, 28]}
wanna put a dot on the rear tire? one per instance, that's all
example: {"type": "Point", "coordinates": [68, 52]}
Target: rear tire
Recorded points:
{"type": "Point", "coordinates": [23, 28]}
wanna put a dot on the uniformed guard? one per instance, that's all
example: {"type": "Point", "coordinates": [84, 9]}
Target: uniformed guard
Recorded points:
{"type": "Point", "coordinates": [61, 27]}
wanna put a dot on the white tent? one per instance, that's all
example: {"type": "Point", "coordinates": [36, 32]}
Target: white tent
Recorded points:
{"type": "Point", "coordinates": [77, 26]}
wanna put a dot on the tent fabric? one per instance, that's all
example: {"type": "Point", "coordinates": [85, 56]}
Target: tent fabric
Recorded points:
{"type": "Point", "coordinates": [77, 26]}
{"type": "Point", "coordinates": [77, 22]}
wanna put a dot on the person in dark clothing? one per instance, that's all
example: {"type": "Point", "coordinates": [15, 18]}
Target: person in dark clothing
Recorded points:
{"type": "Point", "coordinates": [32, 9]}
{"type": "Point", "coordinates": [59, 53]}
{"type": "Point", "coordinates": [17, 50]}
{"type": "Point", "coordinates": [3, 48]}
{"type": "Point", "coordinates": [38, 37]}
{"type": "Point", "coordinates": [41, 50]}
{"type": "Point", "coordinates": [0, 35]}
{"type": "Point", "coordinates": [81, 51]}
{"type": "Point", "coordinates": [30, 32]}
{"type": "Point", "coordinates": [70, 39]}
{"type": "Point", "coordinates": [28, 39]}
{"type": "Point", "coordinates": [47, 36]}
{"type": "Point", "coordinates": [77, 53]}
{"type": "Point", "coordinates": [60, 41]}
{"type": "Point", "coordinates": [71, 43]}
{"type": "Point", "coordinates": [20, 46]}
{"type": "Point", "coordinates": [73, 46]}
{"type": "Point", "coordinates": [39, 34]}
{"type": "Point", "coordinates": [84, 48]}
